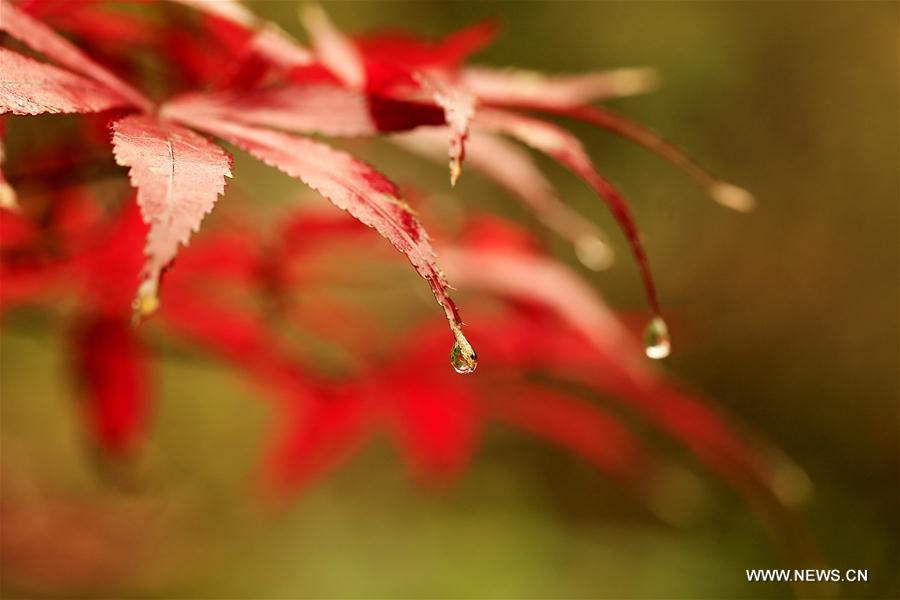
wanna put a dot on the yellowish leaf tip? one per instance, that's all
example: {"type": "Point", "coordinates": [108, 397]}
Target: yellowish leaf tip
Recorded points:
{"type": "Point", "coordinates": [732, 196]}
{"type": "Point", "coordinates": [634, 80]}
{"type": "Point", "coordinates": [8, 198]}
{"type": "Point", "coordinates": [146, 302]}
{"type": "Point", "coordinates": [455, 171]}
{"type": "Point", "coordinates": [312, 15]}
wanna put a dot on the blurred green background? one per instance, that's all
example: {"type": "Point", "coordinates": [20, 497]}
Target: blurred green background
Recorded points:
{"type": "Point", "coordinates": [787, 317]}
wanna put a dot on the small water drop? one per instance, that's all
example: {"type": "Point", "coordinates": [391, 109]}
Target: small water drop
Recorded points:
{"type": "Point", "coordinates": [462, 357]}
{"type": "Point", "coordinates": [455, 171]}
{"type": "Point", "coordinates": [657, 343]}
{"type": "Point", "coordinates": [146, 302]}
{"type": "Point", "coordinates": [594, 253]}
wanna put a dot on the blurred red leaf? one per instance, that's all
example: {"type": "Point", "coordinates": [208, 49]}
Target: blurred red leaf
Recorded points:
{"type": "Point", "coordinates": [41, 38]}
{"type": "Point", "coordinates": [323, 108]}
{"type": "Point", "coordinates": [32, 88]}
{"type": "Point", "coordinates": [530, 89]}
{"type": "Point", "coordinates": [436, 423]}
{"type": "Point", "coordinates": [111, 364]}
{"type": "Point", "coordinates": [332, 48]}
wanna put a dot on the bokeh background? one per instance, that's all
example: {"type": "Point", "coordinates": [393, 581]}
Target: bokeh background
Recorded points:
{"type": "Point", "coordinates": [786, 317]}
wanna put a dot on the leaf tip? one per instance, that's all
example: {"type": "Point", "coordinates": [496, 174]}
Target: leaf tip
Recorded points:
{"type": "Point", "coordinates": [732, 196]}
{"type": "Point", "coordinates": [455, 171]}
{"type": "Point", "coordinates": [8, 198]}
{"type": "Point", "coordinates": [312, 15]}
{"type": "Point", "coordinates": [634, 80]}
{"type": "Point", "coordinates": [314, 18]}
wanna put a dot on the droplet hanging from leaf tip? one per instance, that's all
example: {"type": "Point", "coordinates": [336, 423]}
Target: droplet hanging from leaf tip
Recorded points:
{"type": "Point", "coordinates": [657, 343]}
{"type": "Point", "coordinates": [732, 196]}
{"type": "Point", "coordinates": [462, 357]}
{"type": "Point", "coordinates": [594, 253]}
{"type": "Point", "coordinates": [146, 302]}
{"type": "Point", "coordinates": [8, 198]}
{"type": "Point", "coordinates": [455, 171]}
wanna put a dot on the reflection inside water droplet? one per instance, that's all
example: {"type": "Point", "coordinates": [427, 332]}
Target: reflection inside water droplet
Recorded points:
{"type": "Point", "coordinates": [463, 358]}
{"type": "Point", "coordinates": [657, 343]}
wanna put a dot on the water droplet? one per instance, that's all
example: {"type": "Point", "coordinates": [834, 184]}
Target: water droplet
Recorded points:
{"type": "Point", "coordinates": [455, 171]}
{"type": "Point", "coordinates": [732, 196]}
{"type": "Point", "coordinates": [146, 302]}
{"type": "Point", "coordinates": [657, 343]}
{"type": "Point", "coordinates": [594, 253]}
{"type": "Point", "coordinates": [463, 358]}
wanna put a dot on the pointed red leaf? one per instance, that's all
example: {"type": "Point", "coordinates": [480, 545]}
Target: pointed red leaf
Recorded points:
{"type": "Point", "coordinates": [323, 108]}
{"type": "Point", "coordinates": [351, 185]}
{"type": "Point", "coordinates": [726, 194]}
{"type": "Point", "coordinates": [459, 109]}
{"type": "Point", "coordinates": [179, 176]}
{"type": "Point", "coordinates": [278, 47]}
{"type": "Point", "coordinates": [318, 437]}
{"type": "Point", "coordinates": [103, 27]}
{"type": "Point", "coordinates": [229, 10]}
{"type": "Point", "coordinates": [31, 87]}
{"type": "Point", "coordinates": [255, 45]}
{"type": "Point", "coordinates": [316, 108]}
{"type": "Point", "coordinates": [41, 38]}
{"type": "Point", "coordinates": [531, 89]}
{"type": "Point", "coordinates": [402, 49]}
{"type": "Point", "coordinates": [512, 168]}
{"type": "Point", "coordinates": [534, 279]}
{"type": "Point", "coordinates": [42, 9]}
{"type": "Point", "coordinates": [338, 53]}
{"type": "Point", "coordinates": [335, 50]}
{"type": "Point", "coordinates": [565, 148]}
